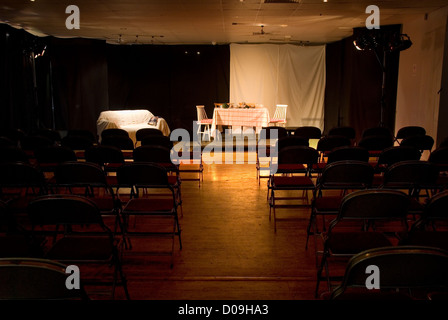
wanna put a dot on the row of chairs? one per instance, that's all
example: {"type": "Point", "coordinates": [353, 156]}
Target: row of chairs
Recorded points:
{"type": "Point", "coordinates": [298, 169]}
{"type": "Point", "coordinates": [80, 194]}
{"type": "Point", "coordinates": [379, 220]}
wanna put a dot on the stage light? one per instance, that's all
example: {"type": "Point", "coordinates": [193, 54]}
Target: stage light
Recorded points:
{"type": "Point", "coordinates": [400, 42]}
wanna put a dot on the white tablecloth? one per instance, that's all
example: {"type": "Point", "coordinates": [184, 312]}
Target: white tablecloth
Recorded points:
{"type": "Point", "coordinates": [240, 117]}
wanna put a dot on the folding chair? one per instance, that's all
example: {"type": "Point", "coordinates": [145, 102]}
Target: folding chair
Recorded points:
{"type": "Point", "coordinates": [431, 229]}
{"type": "Point", "coordinates": [121, 142]}
{"type": "Point", "coordinates": [367, 219]}
{"type": "Point", "coordinates": [308, 132]}
{"type": "Point", "coordinates": [293, 173]}
{"type": "Point", "coordinates": [345, 153]}
{"type": "Point", "coordinates": [345, 131]}
{"type": "Point", "coordinates": [326, 144]}
{"type": "Point", "coordinates": [15, 240]}
{"type": "Point", "coordinates": [161, 156]}
{"type": "Point", "coordinates": [405, 273]}
{"type": "Point", "coordinates": [109, 158]}
{"type": "Point", "coordinates": [89, 180]}
{"type": "Point", "coordinates": [412, 176]}
{"type": "Point", "coordinates": [337, 180]}
{"type": "Point", "coordinates": [279, 118]}
{"type": "Point", "coordinates": [19, 184]}
{"type": "Point", "coordinates": [151, 197]}
{"type": "Point", "coordinates": [267, 140]}
{"type": "Point", "coordinates": [13, 154]}
{"type": "Point", "coordinates": [439, 158]}
{"type": "Point", "coordinates": [420, 142]}
{"type": "Point", "coordinates": [49, 158]}
{"type": "Point", "coordinates": [77, 235]}
{"type": "Point", "coordinates": [36, 279]}
{"type": "Point", "coordinates": [409, 131]}
{"type": "Point", "coordinates": [376, 144]}
{"type": "Point", "coordinates": [377, 132]}
{"type": "Point", "coordinates": [140, 134]}
{"type": "Point", "coordinates": [204, 123]}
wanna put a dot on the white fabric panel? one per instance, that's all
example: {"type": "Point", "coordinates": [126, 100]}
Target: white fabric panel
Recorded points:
{"type": "Point", "coordinates": [270, 74]}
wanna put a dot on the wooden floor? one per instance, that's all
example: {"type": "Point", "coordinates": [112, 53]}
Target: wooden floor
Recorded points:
{"type": "Point", "coordinates": [230, 249]}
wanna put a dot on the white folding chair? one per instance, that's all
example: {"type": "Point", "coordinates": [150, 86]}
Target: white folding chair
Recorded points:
{"type": "Point", "coordinates": [279, 118]}
{"type": "Point", "coordinates": [204, 123]}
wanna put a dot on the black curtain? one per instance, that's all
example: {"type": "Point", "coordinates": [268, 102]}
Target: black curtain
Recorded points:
{"type": "Point", "coordinates": [79, 82]}
{"type": "Point", "coordinates": [169, 81]}
{"type": "Point", "coordinates": [354, 85]}
{"type": "Point", "coordinates": [18, 97]}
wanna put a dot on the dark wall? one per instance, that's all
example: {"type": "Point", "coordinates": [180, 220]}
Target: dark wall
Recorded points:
{"type": "Point", "coordinates": [354, 86]}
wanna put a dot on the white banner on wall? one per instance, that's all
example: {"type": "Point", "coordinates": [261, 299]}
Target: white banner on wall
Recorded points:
{"type": "Point", "coordinates": [270, 74]}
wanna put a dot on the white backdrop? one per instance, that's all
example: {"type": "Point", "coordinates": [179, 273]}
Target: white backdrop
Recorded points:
{"type": "Point", "coordinates": [270, 74]}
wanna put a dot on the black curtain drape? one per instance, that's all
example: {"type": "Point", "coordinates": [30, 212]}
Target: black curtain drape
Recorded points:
{"type": "Point", "coordinates": [18, 101]}
{"type": "Point", "coordinates": [80, 82]}
{"type": "Point", "coordinates": [354, 85]}
{"type": "Point", "coordinates": [169, 81]}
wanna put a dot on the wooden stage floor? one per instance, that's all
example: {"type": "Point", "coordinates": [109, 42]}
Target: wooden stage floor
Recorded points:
{"type": "Point", "coordinates": [230, 250]}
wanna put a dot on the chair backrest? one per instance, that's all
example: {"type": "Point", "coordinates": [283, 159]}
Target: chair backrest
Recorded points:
{"type": "Point", "coordinates": [440, 158]}
{"type": "Point", "coordinates": [65, 210]}
{"type": "Point", "coordinates": [143, 132]}
{"type": "Point", "coordinates": [142, 174]}
{"type": "Point", "coordinates": [345, 131]}
{"type": "Point", "coordinates": [411, 174]}
{"type": "Point", "coordinates": [101, 154]}
{"type": "Point", "coordinates": [152, 153]}
{"type": "Point", "coordinates": [298, 155]}
{"type": "Point", "coordinates": [201, 113]}
{"type": "Point", "coordinates": [280, 111]}
{"type": "Point", "coordinates": [19, 174]}
{"type": "Point", "coordinates": [377, 131]}
{"type": "Point", "coordinates": [348, 153]}
{"type": "Point", "coordinates": [436, 207]}
{"type": "Point", "coordinates": [77, 173]}
{"type": "Point", "coordinates": [76, 142]}
{"type": "Point", "coordinates": [308, 132]}
{"type": "Point", "coordinates": [13, 134]}
{"type": "Point", "coordinates": [376, 142]}
{"type": "Point", "coordinates": [51, 134]}
{"type": "Point", "coordinates": [290, 141]}
{"type": "Point", "coordinates": [82, 133]}
{"type": "Point", "coordinates": [395, 154]}
{"type": "Point", "coordinates": [268, 132]}
{"type": "Point", "coordinates": [13, 154]}
{"type": "Point", "coordinates": [54, 154]}
{"type": "Point", "coordinates": [36, 279]}
{"type": "Point", "coordinates": [421, 142]}
{"type": "Point", "coordinates": [401, 267]}
{"type": "Point", "coordinates": [328, 143]}
{"type": "Point", "coordinates": [350, 174]}
{"type": "Point", "coordinates": [157, 140]}
{"type": "Point", "coordinates": [119, 141]}
{"type": "Point", "coordinates": [409, 131]}
{"type": "Point", "coordinates": [32, 142]}
{"type": "Point", "coordinates": [373, 204]}
{"type": "Point", "coordinates": [7, 142]}
{"type": "Point", "coordinates": [114, 132]}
